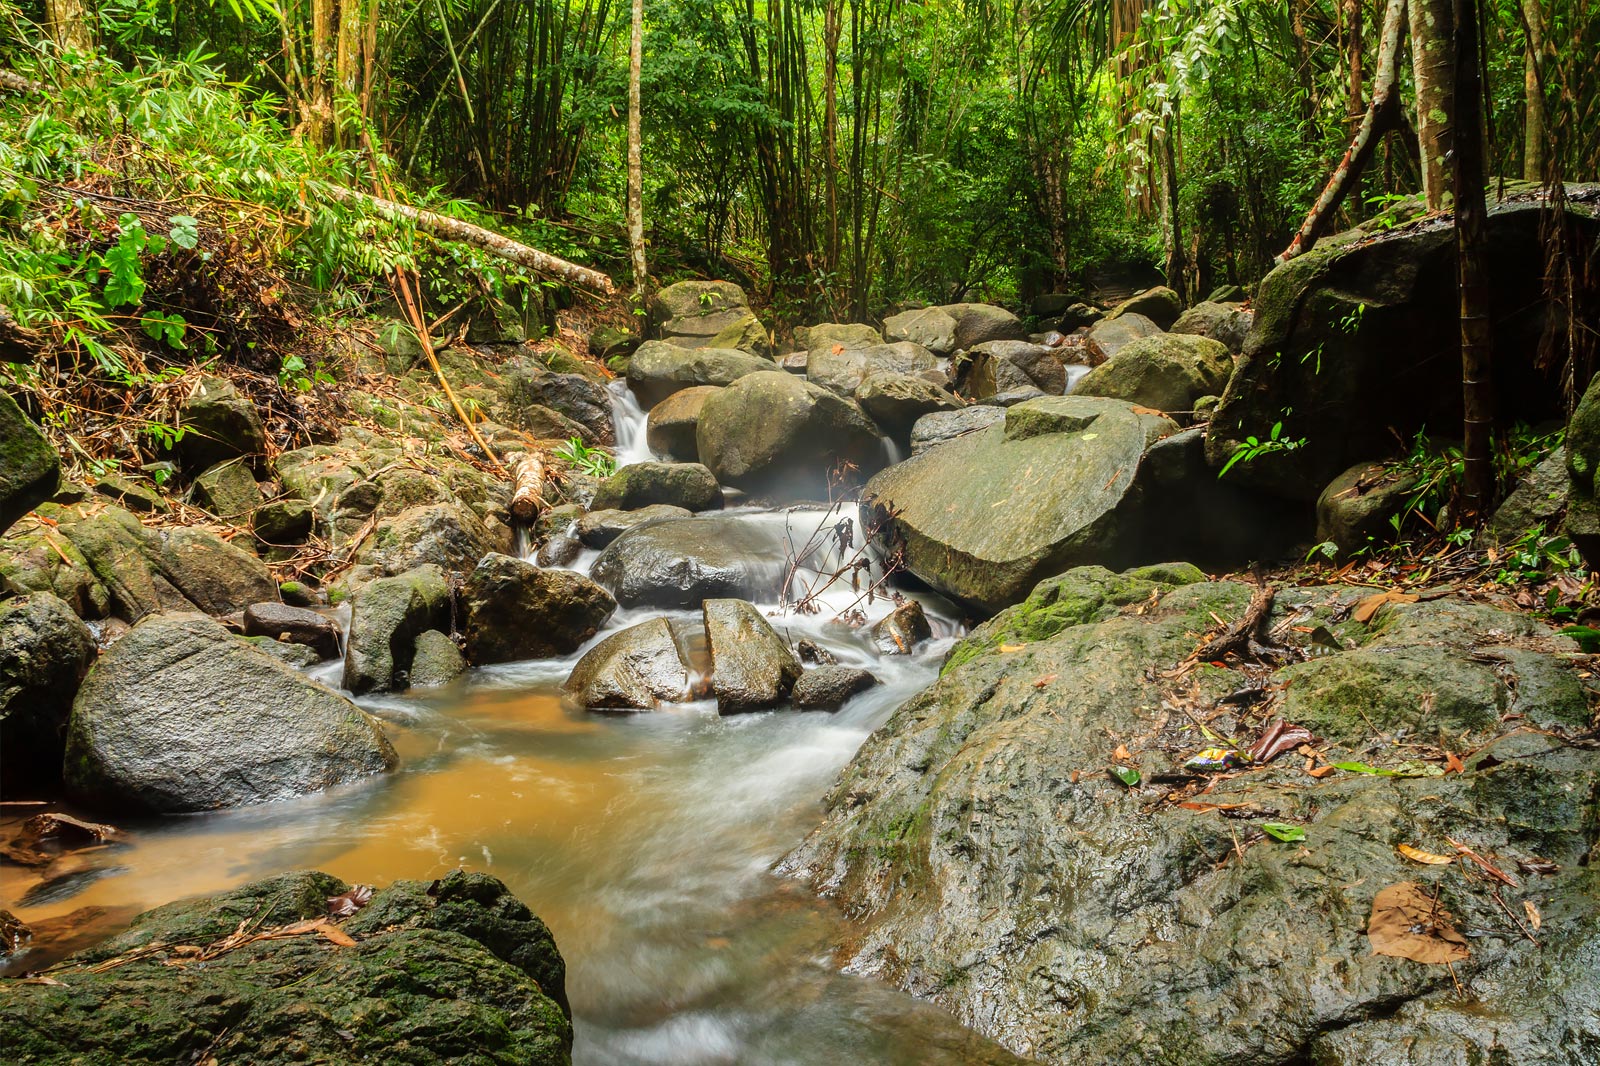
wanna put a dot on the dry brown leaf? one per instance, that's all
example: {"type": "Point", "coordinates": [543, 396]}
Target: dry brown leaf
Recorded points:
{"type": "Point", "coordinates": [1428, 857]}
{"type": "Point", "coordinates": [1045, 680]}
{"type": "Point", "coordinates": [1122, 754]}
{"type": "Point", "coordinates": [336, 935]}
{"type": "Point", "coordinates": [1006, 648]}
{"type": "Point", "coordinates": [1372, 604]}
{"type": "Point", "coordinates": [1453, 763]}
{"type": "Point", "coordinates": [1321, 771]}
{"type": "Point", "coordinates": [1488, 867]}
{"type": "Point", "coordinates": [1407, 923]}
{"type": "Point", "coordinates": [1534, 918]}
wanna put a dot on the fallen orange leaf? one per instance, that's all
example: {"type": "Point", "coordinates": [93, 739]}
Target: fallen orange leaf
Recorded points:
{"type": "Point", "coordinates": [1428, 857]}
{"type": "Point", "coordinates": [1533, 914]}
{"type": "Point", "coordinates": [1372, 604]}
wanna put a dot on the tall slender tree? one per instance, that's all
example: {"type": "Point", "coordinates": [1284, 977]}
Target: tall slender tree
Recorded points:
{"type": "Point", "coordinates": [641, 274]}
{"type": "Point", "coordinates": [1533, 91]}
{"type": "Point", "coordinates": [1433, 70]}
{"type": "Point", "coordinates": [1472, 259]}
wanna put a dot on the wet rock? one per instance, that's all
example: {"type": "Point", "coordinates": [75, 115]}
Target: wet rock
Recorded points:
{"type": "Point", "coordinates": [687, 485]}
{"type": "Point", "coordinates": [637, 669]}
{"type": "Point", "coordinates": [29, 466]}
{"type": "Point", "coordinates": [297, 594]}
{"type": "Point", "coordinates": [37, 559]}
{"type": "Point", "coordinates": [436, 660]}
{"type": "Point", "coordinates": [572, 396]}
{"type": "Point", "coordinates": [1354, 510]}
{"type": "Point", "coordinates": [752, 668]}
{"type": "Point", "coordinates": [1537, 502]}
{"type": "Point", "coordinates": [294, 625]}
{"type": "Point", "coordinates": [930, 327]}
{"type": "Point", "coordinates": [955, 829]}
{"type": "Point", "coordinates": [684, 562]}
{"type": "Point", "coordinates": [386, 616]}
{"type": "Point", "coordinates": [812, 652]}
{"type": "Point", "coordinates": [896, 401]}
{"type": "Point", "coordinates": [44, 652]}
{"type": "Point", "coordinates": [559, 550]}
{"type": "Point", "coordinates": [670, 427]}
{"type": "Point", "coordinates": [1047, 489]}
{"type": "Point", "coordinates": [976, 323]}
{"type": "Point", "coordinates": [447, 535]}
{"type": "Point", "coordinates": [771, 432]}
{"type": "Point", "coordinates": [228, 491]}
{"type": "Point", "coordinates": [1167, 373]}
{"type": "Point", "coordinates": [125, 492]}
{"type": "Point", "coordinates": [562, 518]}
{"type": "Point", "coordinates": [1223, 323]}
{"type": "Point", "coordinates": [941, 427]}
{"type": "Point", "coordinates": [999, 366]}
{"type": "Point", "coordinates": [514, 610]}
{"type": "Point", "coordinates": [211, 573]}
{"type": "Point", "coordinates": [827, 688]}
{"type": "Point", "coordinates": [456, 971]}
{"type": "Point", "coordinates": [296, 655]}
{"type": "Point", "coordinates": [180, 716]}
{"type": "Point", "coordinates": [658, 369]}
{"type": "Point", "coordinates": [283, 522]}
{"type": "Point", "coordinates": [902, 629]}
{"type": "Point", "coordinates": [219, 424]}
{"type": "Point", "coordinates": [830, 335]}
{"type": "Point", "coordinates": [597, 529]}
{"type": "Point", "coordinates": [1160, 305]}
{"type": "Point", "coordinates": [843, 371]}
{"type": "Point", "coordinates": [1106, 338]}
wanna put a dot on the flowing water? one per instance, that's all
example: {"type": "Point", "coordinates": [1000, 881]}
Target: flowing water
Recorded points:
{"type": "Point", "coordinates": [645, 841]}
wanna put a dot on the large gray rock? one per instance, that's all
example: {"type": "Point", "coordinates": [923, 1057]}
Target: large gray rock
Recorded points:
{"type": "Point", "coordinates": [29, 467]}
{"type": "Point", "coordinates": [1108, 337]}
{"type": "Point", "coordinates": [599, 528]}
{"type": "Point", "coordinates": [637, 669]}
{"type": "Point", "coordinates": [573, 396]}
{"type": "Point", "coordinates": [293, 625]}
{"type": "Point", "coordinates": [449, 535]}
{"type": "Point", "coordinates": [44, 652]}
{"type": "Point", "coordinates": [773, 433]}
{"type": "Point", "coordinates": [670, 427]}
{"type": "Point", "coordinates": [1353, 512]}
{"type": "Point", "coordinates": [219, 423]}
{"type": "Point", "coordinates": [752, 667]}
{"type": "Point", "coordinates": [37, 559]}
{"type": "Point", "coordinates": [180, 716]}
{"type": "Point", "coordinates": [708, 314]}
{"type": "Point", "coordinates": [930, 327]}
{"type": "Point", "coordinates": [843, 371]}
{"type": "Point", "coordinates": [896, 401]}
{"type": "Point", "coordinates": [212, 573]}
{"type": "Point", "coordinates": [829, 335]}
{"type": "Point", "coordinates": [1358, 341]}
{"type": "Point", "coordinates": [976, 323]}
{"type": "Point", "coordinates": [687, 485]}
{"type": "Point", "coordinates": [436, 660]}
{"type": "Point", "coordinates": [830, 686]}
{"type": "Point", "coordinates": [514, 610]}
{"type": "Point", "coordinates": [686, 561]}
{"type": "Point", "coordinates": [452, 971]}
{"type": "Point", "coordinates": [997, 869]}
{"type": "Point", "coordinates": [1223, 323]}
{"type": "Point", "coordinates": [658, 369]}
{"type": "Point", "coordinates": [944, 426]}
{"type": "Point", "coordinates": [984, 517]}
{"type": "Point", "coordinates": [228, 491]}
{"type": "Point", "coordinates": [386, 616]}
{"type": "Point", "coordinates": [1160, 305]}
{"type": "Point", "coordinates": [999, 366]}
{"type": "Point", "coordinates": [1167, 373]}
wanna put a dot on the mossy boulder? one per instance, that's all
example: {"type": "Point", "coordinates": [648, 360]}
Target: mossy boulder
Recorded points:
{"type": "Point", "coordinates": [1354, 512]}
{"type": "Point", "coordinates": [670, 427]}
{"type": "Point", "coordinates": [1167, 372]}
{"type": "Point", "coordinates": [638, 669]}
{"type": "Point", "coordinates": [219, 423]}
{"type": "Point", "coordinates": [435, 660]}
{"type": "Point", "coordinates": [896, 401]}
{"type": "Point", "coordinates": [685, 561]}
{"type": "Point", "coordinates": [515, 610]}
{"type": "Point", "coordinates": [1225, 323]}
{"type": "Point", "coordinates": [976, 323]}
{"type": "Point", "coordinates": [687, 485]}
{"type": "Point", "coordinates": [386, 617]}
{"type": "Point", "coordinates": [45, 650]}
{"type": "Point", "coordinates": [827, 336]}
{"type": "Point", "coordinates": [659, 369]}
{"type": "Point", "coordinates": [752, 667]}
{"type": "Point", "coordinates": [844, 370]}
{"type": "Point", "coordinates": [29, 466]}
{"type": "Point", "coordinates": [454, 971]}
{"type": "Point", "coordinates": [929, 327]}
{"type": "Point", "coordinates": [228, 491]}
{"type": "Point", "coordinates": [1160, 305]}
{"type": "Point", "coordinates": [38, 559]}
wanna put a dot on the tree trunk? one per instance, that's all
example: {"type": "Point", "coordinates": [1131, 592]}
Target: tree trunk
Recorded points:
{"type": "Point", "coordinates": [321, 127]}
{"type": "Point", "coordinates": [70, 25]}
{"type": "Point", "coordinates": [830, 126]}
{"type": "Point", "coordinates": [641, 273]}
{"type": "Point", "coordinates": [1533, 92]}
{"type": "Point", "coordinates": [527, 494]}
{"type": "Point", "coordinates": [1171, 231]}
{"type": "Point", "coordinates": [1477, 328]}
{"type": "Point", "coordinates": [1355, 105]}
{"type": "Point", "coordinates": [1383, 114]}
{"type": "Point", "coordinates": [1433, 69]}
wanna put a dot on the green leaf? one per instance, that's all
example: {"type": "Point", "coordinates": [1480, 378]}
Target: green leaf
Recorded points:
{"type": "Point", "coordinates": [1126, 774]}
{"type": "Point", "coordinates": [1362, 768]}
{"type": "Point", "coordinates": [1289, 834]}
{"type": "Point", "coordinates": [185, 232]}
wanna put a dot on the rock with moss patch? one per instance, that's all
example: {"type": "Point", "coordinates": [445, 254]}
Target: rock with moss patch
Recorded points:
{"type": "Point", "coordinates": [827, 336]}
{"type": "Point", "coordinates": [1108, 337]}
{"type": "Point", "coordinates": [1166, 373]}
{"type": "Point", "coordinates": [1355, 511]}
{"type": "Point", "coordinates": [283, 522]}
{"type": "Point", "coordinates": [219, 423]}
{"type": "Point", "coordinates": [659, 369]}
{"type": "Point", "coordinates": [435, 660]}
{"type": "Point", "coordinates": [1160, 305]}
{"type": "Point", "coordinates": [45, 650]}
{"type": "Point", "coordinates": [514, 610]}
{"type": "Point", "coordinates": [131, 494]}
{"type": "Point", "coordinates": [29, 466]}
{"type": "Point", "coordinates": [597, 529]}
{"type": "Point", "coordinates": [752, 667]}
{"type": "Point", "coordinates": [386, 617]}
{"type": "Point", "coordinates": [896, 401]}
{"type": "Point", "coordinates": [929, 327]}
{"type": "Point", "coordinates": [228, 491]}
{"type": "Point", "coordinates": [38, 559]}
{"type": "Point", "coordinates": [687, 485]}
{"type": "Point", "coordinates": [844, 370]}
{"type": "Point", "coordinates": [1226, 324]}
{"type": "Point", "coordinates": [976, 323]}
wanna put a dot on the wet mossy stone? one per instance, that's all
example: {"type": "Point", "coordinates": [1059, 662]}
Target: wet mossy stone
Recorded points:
{"type": "Point", "coordinates": [126, 492]}
{"type": "Point", "coordinates": [385, 619]}
{"type": "Point", "coordinates": [1160, 305]}
{"type": "Point", "coordinates": [29, 466]}
{"type": "Point", "coordinates": [515, 610]}
{"type": "Point", "coordinates": [228, 491]}
{"type": "Point", "coordinates": [659, 369]}
{"type": "Point", "coordinates": [843, 370]}
{"type": "Point", "coordinates": [45, 650]}
{"type": "Point", "coordinates": [670, 428]}
{"type": "Point", "coordinates": [283, 522]}
{"type": "Point", "coordinates": [1167, 372]}
{"type": "Point", "coordinates": [37, 559]}
{"type": "Point", "coordinates": [830, 686]}
{"type": "Point", "coordinates": [219, 423]}
{"type": "Point", "coordinates": [453, 972]}
{"type": "Point", "coordinates": [976, 323]}
{"type": "Point", "coordinates": [687, 485]}
{"type": "Point", "coordinates": [685, 561]}
{"type": "Point", "coordinates": [436, 660]}
{"type": "Point", "coordinates": [179, 715]}
{"type": "Point", "coordinates": [827, 336]}
{"type": "Point", "coordinates": [597, 529]}
{"type": "Point", "coordinates": [930, 327]}
{"type": "Point", "coordinates": [896, 401]}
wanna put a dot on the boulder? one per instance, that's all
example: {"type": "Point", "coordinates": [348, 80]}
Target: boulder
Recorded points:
{"type": "Point", "coordinates": [844, 370]}
{"type": "Point", "coordinates": [44, 652]}
{"type": "Point", "coordinates": [38, 559]}
{"type": "Point", "coordinates": [448, 535]}
{"type": "Point", "coordinates": [228, 491]}
{"type": "Point", "coordinates": [386, 616]}
{"type": "Point", "coordinates": [1167, 373]}
{"type": "Point", "coordinates": [514, 610]}
{"type": "Point", "coordinates": [929, 327]}
{"type": "Point", "coordinates": [687, 485]}
{"type": "Point", "coordinates": [211, 573]}
{"type": "Point", "coordinates": [573, 396]}
{"type": "Point", "coordinates": [997, 869]}
{"type": "Point", "coordinates": [943, 426]}
{"type": "Point", "coordinates": [546, 424]}
{"type": "Point", "coordinates": [293, 625]}
{"type": "Point", "coordinates": [180, 716]}
{"type": "Point", "coordinates": [219, 423]}
{"type": "Point", "coordinates": [599, 528]}
{"type": "Point", "coordinates": [830, 335]}
{"type": "Point", "coordinates": [1224, 323]}
{"type": "Point", "coordinates": [685, 562]}
{"type": "Point", "coordinates": [708, 314]}
{"type": "Point", "coordinates": [1077, 316]}
{"type": "Point", "coordinates": [896, 401]}
{"type": "Point", "coordinates": [901, 630]}
{"type": "Point", "coordinates": [658, 369]}
{"type": "Point", "coordinates": [773, 433]}
{"type": "Point", "coordinates": [130, 494]}
{"type": "Point", "coordinates": [829, 687]}
{"type": "Point", "coordinates": [283, 522]}
{"type": "Point", "coordinates": [1353, 512]}
{"type": "Point", "coordinates": [457, 970]}
{"type": "Point", "coordinates": [998, 366]}
{"type": "Point", "coordinates": [436, 660]}
{"type": "Point", "coordinates": [752, 667]}
{"type": "Point", "coordinates": [1106, 338]}
{"type": "Point", "coordinates": [637, 669]}
{"type": "Point", "coordinates": [1160, 305]}
{"type": "Point", "coordinates": [670, 427]}
{"type": "Point", "coordinates": [1358, 340]}
{"type": "Point", "coordinates": [1537, 502]}
{"type": "Point", "coordinates": [29, 466]}
{"type": "Point", "coordinates": [976, 323]}
{"type": "Point", "coordinates": [559, 550]}
{"type": "Point", "coordinates": [1048, 488]}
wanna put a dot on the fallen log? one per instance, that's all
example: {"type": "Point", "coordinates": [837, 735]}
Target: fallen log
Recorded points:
{"type": "Point", "coordinates": [527, 494]}
{"type": "Point", "coordinates": [10, 79]}
{"type": "Point", "coordinates": [453, 229]}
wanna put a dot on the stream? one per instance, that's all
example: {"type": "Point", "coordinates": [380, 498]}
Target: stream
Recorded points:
{"type": "Point", "coordinates": [645, 842]}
